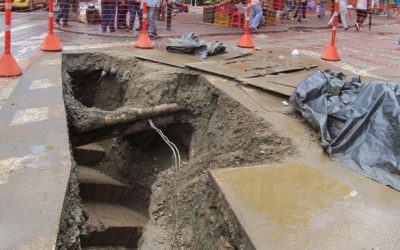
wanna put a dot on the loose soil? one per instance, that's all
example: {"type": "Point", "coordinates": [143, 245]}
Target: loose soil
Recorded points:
{"type": "Point", "coordinates": [214, 131]}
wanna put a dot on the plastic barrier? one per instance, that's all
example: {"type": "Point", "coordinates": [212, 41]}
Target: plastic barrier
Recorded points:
{"type": "Point", "coordinates": [51, 42]}
{"type": "Point", "coordinates": [246, 41]}
{"type": "Point", "coordinates": [8, 65]}
{"type": "Point", "coordinates": [144, 41]}
{"type": "Point", "coordinates": [331, 53]}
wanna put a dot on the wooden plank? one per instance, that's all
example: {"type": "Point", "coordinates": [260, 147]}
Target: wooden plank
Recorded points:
{"type": "Point", "coordinates": [290, 79]}
{"type": "Point", "coordinates": [263, 83]}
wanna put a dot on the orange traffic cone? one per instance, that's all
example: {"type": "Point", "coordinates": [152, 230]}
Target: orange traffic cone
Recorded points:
{"type": "Point", "coordinates": [331, 53]}
{"type": "Point", "coordinates": [246, 41]}
{"type": "Point", "coordinates": [51, 42]}
{"type": "Point", "coordinates": [144, 41]}
{"type": "Point", "coordinates": [8, 65]}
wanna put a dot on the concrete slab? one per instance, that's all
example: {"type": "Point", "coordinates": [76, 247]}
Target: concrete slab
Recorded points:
{"type": "Point", "coordinates": [287, 206]}
{"type": "Point", "coordinates": [34, 158]}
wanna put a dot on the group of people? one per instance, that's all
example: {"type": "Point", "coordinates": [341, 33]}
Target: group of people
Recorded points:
{"type": "Point", "coordinates": [116, 11]}
{"type": "Point", "coordinates": [300, 6]}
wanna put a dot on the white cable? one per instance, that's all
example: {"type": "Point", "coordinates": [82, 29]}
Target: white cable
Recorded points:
{"type": "Point", "coordinates": [174, 148]}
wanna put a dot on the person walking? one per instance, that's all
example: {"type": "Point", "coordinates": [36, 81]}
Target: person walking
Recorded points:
{"type": "Point", "coordinates": [342, 13]}
{"type": "Point", "coordinates": [322, 9]}
{"type": "Point", "coordinates": [153, 6]}
{"type": "Point", "coordinates": [108, 9]}
{"type": "Point", "coordinates": [362, 12]}
{"type": "Point", "coordinates": [289, 7]}
{"type": "Point", "coordinates": [63, 13]}
{"type": "Point", "coordinates": [256, 14]}
{"type": "Point", "coordinates": [134, 8]}
{"type": "Point", "coordinates": [300, 13]}
{"type": "Point", "coordinates": [121, 14]}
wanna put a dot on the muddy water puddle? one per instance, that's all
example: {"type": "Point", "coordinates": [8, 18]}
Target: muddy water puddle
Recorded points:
{"type": "Point", "coordinates": [288, 195]}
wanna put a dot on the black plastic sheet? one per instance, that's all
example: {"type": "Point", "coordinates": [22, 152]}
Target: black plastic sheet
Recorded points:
{"type": "Point", "coordinates": [359, 122]}
{"type": "Point", "coordinates": [190, 43]}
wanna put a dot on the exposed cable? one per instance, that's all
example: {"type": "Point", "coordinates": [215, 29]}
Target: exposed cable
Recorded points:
{"type": "Point", "coordinates": [174, 148]}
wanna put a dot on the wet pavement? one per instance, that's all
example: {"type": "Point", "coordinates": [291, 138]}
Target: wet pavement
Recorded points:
{"type": "Point", "coordinates": [286, 206]}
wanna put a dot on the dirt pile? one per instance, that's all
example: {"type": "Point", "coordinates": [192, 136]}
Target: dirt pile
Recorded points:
{"type": "Point", "coordinates": [213, 131]}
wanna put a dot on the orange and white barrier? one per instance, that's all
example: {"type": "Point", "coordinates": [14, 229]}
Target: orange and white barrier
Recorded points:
{"type": "Point", "coordinates": [8, 65]}
{"type": "Point", "coordinates": [246, 41]}
{"type": "Point", "coordinates": [144, 41]}
{"type": "Point", "coordinates": [331, 53]}
{"type": "Point", "coordinates": [51, 42]}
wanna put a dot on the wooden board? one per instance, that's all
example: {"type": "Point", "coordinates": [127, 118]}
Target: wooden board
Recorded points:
{"type": "Point", "coordinates": [263, 83]}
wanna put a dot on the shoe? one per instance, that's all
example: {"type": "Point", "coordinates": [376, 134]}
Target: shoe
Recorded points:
{"type": "Point", "coordinates": [139, 29]}
{"type": "Point", "coordinates": [151, 35]}
{"type": "Point", "coordinates": [358, 27]}
{"type": "Point", "coordinates": [57, 22]}
{"type": "Point", "coordinates": [112, 30]}
{"type": "Point", "coordinates": [66, 25]}
{"type": "Point", "coordinates": [346, 28]}
{"type": "Point", "coordinates": [104, 30]}
{"type": "Point", "coordinates": [121, 27]}
{"type": "Point", "coordinates": [398, 42]}
{"type": "Point", "coordinates": [129, 30]}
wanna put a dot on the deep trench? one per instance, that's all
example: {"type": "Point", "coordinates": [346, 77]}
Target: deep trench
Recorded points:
{"type": "Point", "coordinates": [132, 194]}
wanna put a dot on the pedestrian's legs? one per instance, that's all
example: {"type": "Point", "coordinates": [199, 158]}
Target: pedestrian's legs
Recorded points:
{"type": "Point", "coordinates": [361, 15]}
{"type": "Point", "coordinates": [304, 10]}
{"type": "Point", "coordinates": [63, 13]}
{"type": "Point", "coordinates": [288, 8]}
{"type": "Point", "coordinates": [111, 20]}
{"type": "Point", "coordinates": [322, 9]}
{"type": "Point", "coordinates": [121, 15]}
{"type": "Point", "coordinates": [343, 18]}
{"type": "Point", "coordinates": [152, 20]}
{"type": "Point", "coordinates": [256, 15]}
{"type": "Point", "coordinates": [104, 17]}
{"type": "Point", "coordinates": [132, 14]}
{"type": "Point", "coordinates": [139, 12]}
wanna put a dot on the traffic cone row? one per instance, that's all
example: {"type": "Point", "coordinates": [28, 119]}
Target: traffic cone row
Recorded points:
{"type": "Point", "coordinates": [8, 66]}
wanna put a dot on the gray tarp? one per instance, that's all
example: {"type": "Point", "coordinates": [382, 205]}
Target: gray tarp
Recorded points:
{"type": "Point", "coordinates": [359, 122]}
{"type": "Point", "coordinates": [190, 43]}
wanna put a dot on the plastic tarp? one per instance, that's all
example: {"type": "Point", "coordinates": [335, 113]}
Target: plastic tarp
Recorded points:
{"type": "Point", "coordinates": [359, 122]}
{"type": "Point", "coordinates": [190, 43]}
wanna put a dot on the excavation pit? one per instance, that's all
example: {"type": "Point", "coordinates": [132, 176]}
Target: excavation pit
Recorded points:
{"type": "Point", "coordinates": [160, 204]}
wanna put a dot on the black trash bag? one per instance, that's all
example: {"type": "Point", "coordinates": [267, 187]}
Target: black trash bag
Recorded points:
{"type": "Point", "coordinates": [190, 43]}
{"type": "Point", "coordinates": [359, 123]}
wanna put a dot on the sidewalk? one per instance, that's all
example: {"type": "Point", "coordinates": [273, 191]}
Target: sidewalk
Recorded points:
{"type": "Point", "coordinates": [186, 22]}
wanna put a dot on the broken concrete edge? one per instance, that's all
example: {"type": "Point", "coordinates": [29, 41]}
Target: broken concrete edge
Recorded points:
{"type": "Point", "coordinates": [231, 221]}
{"type": "Point", "coordinates": [72, 222]}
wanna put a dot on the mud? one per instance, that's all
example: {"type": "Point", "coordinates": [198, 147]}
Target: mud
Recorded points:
{"type": "Point", "coordinates": [72, 220]}
{"type": "Point", "coordinates": [213, 131]}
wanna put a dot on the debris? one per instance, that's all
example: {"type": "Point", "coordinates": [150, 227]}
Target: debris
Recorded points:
{"type": "Point", "coordinates": [295, 52]}
{"type": "Point", "coordinates": [190, 43]}
{"type": "Point", "coordinates": [359, 123]}
{"type": "Point", "coordinates": [285, 103]}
